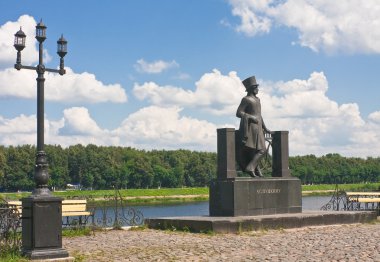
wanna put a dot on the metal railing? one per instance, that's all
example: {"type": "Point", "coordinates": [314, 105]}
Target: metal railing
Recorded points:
{"type": "Point", "coordinates": [341, 201]}
{"type": "Point", "coordinates": [10, 227]}
{"type": "Point", "coordinates": [110, 211]}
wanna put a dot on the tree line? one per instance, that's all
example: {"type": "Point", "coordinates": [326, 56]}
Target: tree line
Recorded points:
{"type": "Point", "coordinates": [101, 167]}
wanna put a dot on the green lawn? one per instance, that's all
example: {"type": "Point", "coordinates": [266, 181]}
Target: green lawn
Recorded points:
{"type": "Point", "coordinates": [345, 187]}
{"type": "Point", "coordinates": [167, 192]}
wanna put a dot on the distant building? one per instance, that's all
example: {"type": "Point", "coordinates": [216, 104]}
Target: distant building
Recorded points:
{"type": "Point", "coordinates": [73, 187]}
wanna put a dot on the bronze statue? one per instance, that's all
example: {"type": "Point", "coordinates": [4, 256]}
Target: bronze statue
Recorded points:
{"type": "Point", "coordinates": [250, 139]}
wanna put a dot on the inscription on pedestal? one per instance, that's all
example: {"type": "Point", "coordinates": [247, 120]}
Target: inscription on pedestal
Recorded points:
{"type": "Point", "coordinates": [269, 191]}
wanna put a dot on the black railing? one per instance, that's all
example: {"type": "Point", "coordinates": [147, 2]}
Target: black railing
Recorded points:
{"type": "Point", "coordinates": [340, 201]}
{"type": "Point", "coordinates": [10, 227]}
{"type": "Point", "coordinates": [109, 211]}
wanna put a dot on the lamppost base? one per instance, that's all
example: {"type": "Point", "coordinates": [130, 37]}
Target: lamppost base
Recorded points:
{"type": "Point", "coordinates": [42, 192]}
{"type": "Point", "coordinates": [42, 227]}
{"type": "Point", "coordinates": [47, 253]}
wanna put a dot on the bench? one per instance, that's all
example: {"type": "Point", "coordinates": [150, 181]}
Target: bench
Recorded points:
{"type": "Point", "coordinates": [367, 194]}
{"type": "Point", "coordinates": [371, 200]}
{"type": "Point", "coordinates": [70, 208]}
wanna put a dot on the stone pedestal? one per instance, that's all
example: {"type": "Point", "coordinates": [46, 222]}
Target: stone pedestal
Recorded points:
{"type": "Point", "coordinates": [280, 154]}
{"type": "Point", "coordinates": [42, 227]}
{"type": "Point", "coordinates": [226, 153]}
{"type": "Point", "coordinates": [243, 196]}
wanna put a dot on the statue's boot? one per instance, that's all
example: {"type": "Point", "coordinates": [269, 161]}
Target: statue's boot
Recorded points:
{"type": "Point", "coordinates": [258, 172]}
{"type": "Point", "coordinates": [251, 173]}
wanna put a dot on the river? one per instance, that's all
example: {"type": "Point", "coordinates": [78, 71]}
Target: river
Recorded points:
{"type": "Point", "coordinates": [201, 208]}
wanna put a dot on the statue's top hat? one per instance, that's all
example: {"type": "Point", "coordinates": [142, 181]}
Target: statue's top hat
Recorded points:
{"type": "Point", "coordinates": [250, 81]}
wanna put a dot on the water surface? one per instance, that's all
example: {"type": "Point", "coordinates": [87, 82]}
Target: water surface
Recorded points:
{"type": "Point", "coordinates": [201, 208]}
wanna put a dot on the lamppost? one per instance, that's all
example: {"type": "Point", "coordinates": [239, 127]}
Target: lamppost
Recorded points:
{"type": "Point", "coordinates": [41, 212]}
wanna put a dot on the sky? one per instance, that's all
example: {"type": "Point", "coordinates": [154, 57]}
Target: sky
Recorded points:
{"type": "Point", "coordinates": [166, 74]}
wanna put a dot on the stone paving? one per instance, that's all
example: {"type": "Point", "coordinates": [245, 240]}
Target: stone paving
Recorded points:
{"type": "Point", "coordinates": [355, 242]}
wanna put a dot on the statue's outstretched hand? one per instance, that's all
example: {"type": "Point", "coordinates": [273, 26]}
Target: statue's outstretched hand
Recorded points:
{"type": "Point", "coordinates": [268, 131]}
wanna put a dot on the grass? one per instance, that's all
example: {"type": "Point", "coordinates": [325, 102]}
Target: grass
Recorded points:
{"type": "Point", "coordinates": [345, 187]}
{"type": "Point", "coordinates": [77, 231]}
{"type": "Point", "coordinates": [139, 192]}
{"type": "Point", "coordinates": [135, 193]}
{"type": "Point", "coordinates": [165, 196]}
{"type": "Point", "coordinates": [11, 255]}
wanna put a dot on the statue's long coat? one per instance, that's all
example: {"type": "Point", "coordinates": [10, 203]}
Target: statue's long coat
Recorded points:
{"type": "Point", "coordinates": [251, 133]}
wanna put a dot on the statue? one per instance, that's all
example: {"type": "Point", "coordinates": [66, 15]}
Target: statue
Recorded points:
{"type": "Point", "coordinates": [250, 138]}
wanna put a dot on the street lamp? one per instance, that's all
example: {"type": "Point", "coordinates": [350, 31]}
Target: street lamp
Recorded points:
{"type": "Point", "coordinates": [41, 212]}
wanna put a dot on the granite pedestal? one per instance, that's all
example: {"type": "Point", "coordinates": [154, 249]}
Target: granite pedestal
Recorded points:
{"type": "Point", "coordinates": [242, 196]}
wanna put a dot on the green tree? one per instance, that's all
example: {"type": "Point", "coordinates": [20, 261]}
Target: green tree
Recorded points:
{"type": "Point", "coordinates": [3, 167]}
{"type": "Point", "coordinates": [58, 166]}
{"type": "Point", "coordinates": [20, 168]}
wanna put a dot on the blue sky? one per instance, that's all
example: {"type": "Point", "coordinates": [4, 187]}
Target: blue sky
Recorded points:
{"type": "Point", "coordinates": [165, 74]}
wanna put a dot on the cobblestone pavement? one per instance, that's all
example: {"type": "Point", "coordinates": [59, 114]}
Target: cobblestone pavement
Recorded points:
{"type": "Point", "coordinates": [357, 242]}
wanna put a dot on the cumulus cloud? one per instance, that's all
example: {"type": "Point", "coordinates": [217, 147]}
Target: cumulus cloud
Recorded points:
{"type": "Point", "coordinates": [317, 124]}
{"type": "Point", "coordinates": [148, 128]}
{"type": "Point", "coordinates": [75, 127]}
{"type": "Point", "coordinates": [214, 92]}
{"type": "Point", "coordinates": [77, 121]}
{"type": "Point", "coordinates": [21, 124]}
{"type": "Point", "coordinates": [154, 67]}
{"type": "Point", "coordinates": [70, 88]}
{"type": "Point", "coordinates": [331, 26]}
{"type": "Point", "coordinates": [157, 127]}
{"type": "Point", "coordinates": [299, 98]}
{"type": "Point", "coordinates": [375, 117]}
{"type": "Point", "coordinates": [7, 50]}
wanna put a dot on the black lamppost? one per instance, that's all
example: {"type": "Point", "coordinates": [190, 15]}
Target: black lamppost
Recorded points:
{"type": "Point", "coordinates": [41, 212]}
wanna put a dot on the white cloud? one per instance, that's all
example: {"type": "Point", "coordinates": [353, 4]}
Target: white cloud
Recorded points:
{"type": "Point", "coordinates": [21, 124]}
{"type": "Point", "coordinates": [252, 23]}
{"type": "Point", "coordinates": [75, 127]}
{"type": "Point", "coordinates": [69, 88]}
{"type": "Point", "coordinates": [375, 117]}
{"type": "Point", "coordinates": [317, 124]}
{"type": "Point", "coordinates": [219, 94]}
{"type": "Point", "coordinates": [148, 128]}
{"type": "Point", "coordinates": [157, 127]}
{"type": "Point", "coordinates": [154, 67]}
{"type": "Point", "coordinates": [299, 98]}
{"type": "Point", "coordinates": [8, 53]}
{"type": "Point", "coordinates": [19, 130]}
{"type": "Point", "coordinates": [77, 121]}
{"type": "Point", "coordinates": [340, 25]}
{"type": "Point", "coordinates": [182, 76]}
